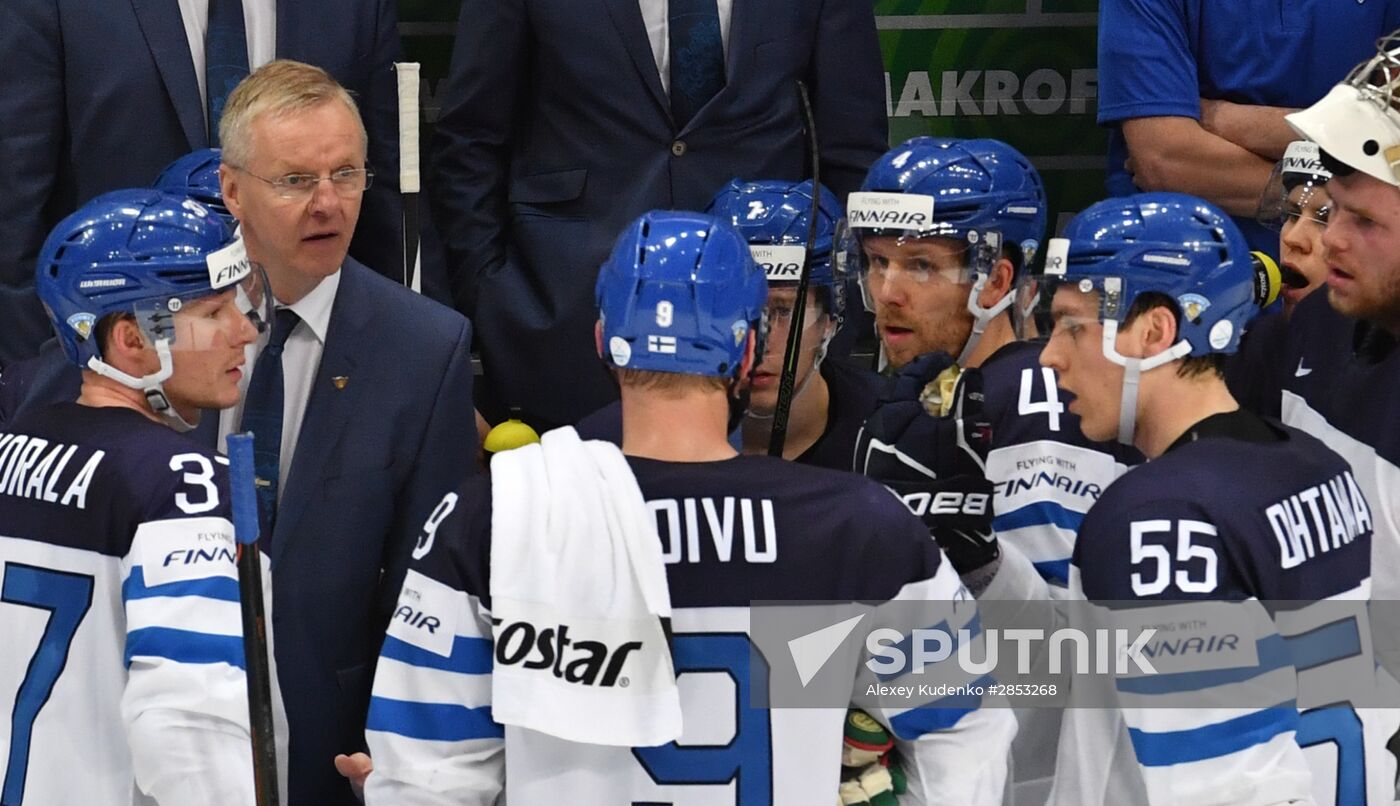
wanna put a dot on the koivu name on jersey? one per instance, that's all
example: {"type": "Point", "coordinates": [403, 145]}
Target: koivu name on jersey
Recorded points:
{"type": "Point", "coordinates": [1319, 519]}
{"type": "Point", "coordinates": [587, 662]}
{"type": "Point", "coordinates": [685, 525]}
{"type": "Point", "coordinates": [35, 468]}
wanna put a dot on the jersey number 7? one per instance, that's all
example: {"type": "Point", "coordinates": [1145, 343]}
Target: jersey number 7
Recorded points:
{"type": "Point", "coordinates": [68, 598]}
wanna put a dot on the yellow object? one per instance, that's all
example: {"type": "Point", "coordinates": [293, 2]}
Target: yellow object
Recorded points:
{"type": "Point", "coordinates": [937, 396]}
{"type": "Point", "coordinates": [510, 434]}
{"type": "Point", "coordinates": [1267, 277]}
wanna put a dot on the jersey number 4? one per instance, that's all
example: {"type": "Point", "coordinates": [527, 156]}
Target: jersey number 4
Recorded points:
{"type": "Point", "coordinates": [67, 597]}
{"type": "Point", "coordinates": [1051, 406]}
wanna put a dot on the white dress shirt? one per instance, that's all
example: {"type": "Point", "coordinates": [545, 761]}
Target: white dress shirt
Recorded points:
{"type": "Point", "coordinates": [260, 20]}
{"type": "Point", "coordinates": [301, 359]}
{"type": "Point", "coordinates": [656, 15]}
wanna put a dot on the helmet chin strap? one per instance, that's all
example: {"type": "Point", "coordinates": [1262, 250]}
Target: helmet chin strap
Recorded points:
{"type": "Point", "coordinates": [149, 385]}
{"type": "Point", "coordinates": [1132, 374]}
{"type": "Point", "coordinates": [981, 317]}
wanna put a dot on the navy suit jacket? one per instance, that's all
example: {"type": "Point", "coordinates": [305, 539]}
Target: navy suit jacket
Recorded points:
{"type": "Point", "coordinates": [97, 95]}
{"type": "Point", "coordinates": [556, 132]}
{"type": "Point", "coordinates": [376, 452]}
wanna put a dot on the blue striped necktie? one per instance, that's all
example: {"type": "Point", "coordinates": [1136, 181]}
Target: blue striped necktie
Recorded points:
{"type": "Point", "coordinates": [697, 57]}
{"type": "Point", "coordinates": [225, 58]}
{"type": "Point", "coordinates": [262, 414]}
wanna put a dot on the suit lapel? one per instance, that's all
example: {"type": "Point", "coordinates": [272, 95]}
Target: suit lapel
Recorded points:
{"type": "Point", "coordinates": [164, 30]}
{"type": "Point", "coordinates": [627, 16]}
{"type": "Point", "coordinates": [328, 408]}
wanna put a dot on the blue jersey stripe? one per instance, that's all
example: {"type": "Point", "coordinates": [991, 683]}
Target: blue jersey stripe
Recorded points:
{"type": "Point", "coordinates": [469, 655]}
{"type": "Point", "coordinates": [1273, 654]}
{"type": "Point", "coordinates": [906, 644]}
{"type": "Point", "coordinates": [1039, 513]}
{"type": "Point", "coordinates": [184, 646]}
{"type": "Point", "coordinates": [1056, 571]}
{"type": "Point", "coordinates": [941, 714]}
{"type": "Point", "coordinates": [434, 722]}
{"type": "Point", "coordinates": [1330, 642]}
{"type": "Point", "coordinates": [1213, 741]}
{"type": "Point", "coordinates": [224, 589]}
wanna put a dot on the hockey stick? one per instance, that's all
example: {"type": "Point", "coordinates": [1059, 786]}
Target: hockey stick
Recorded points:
{"type": "Point", "coordinates": [250, 601]}
{"type": "Point", "coordinates": [410, 180]}
{"type": "Point", "coordinates": [793, 349]}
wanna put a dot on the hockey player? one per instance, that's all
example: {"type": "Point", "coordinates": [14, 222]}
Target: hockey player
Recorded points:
{"type": "Point", "coordinates": [940, 233]}
{"type": "Point", "coordinates": [1296, 204]}
{"type": "Point", "coordinates": [831, 398]}
{"type": "Point", "coordinates": [49, 377]}
{"type": "Point", "coordinates": [1148, 294]}
{"type": "Point", "coordinates": [1342, 364]}
{"type": "Point", "coordinates": [687, 278]}
{"type": "Point", "coordinates": [123, 671]}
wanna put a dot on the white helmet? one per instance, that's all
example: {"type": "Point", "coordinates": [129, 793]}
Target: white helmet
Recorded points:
{"type": "Point", "coordinates": [1358, 121]}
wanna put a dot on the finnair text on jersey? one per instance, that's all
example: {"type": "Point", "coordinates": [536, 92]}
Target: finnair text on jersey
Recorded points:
{"type": "Point", "coordinates": [35, 468]}
{"type": "Point", "coordinates": [1319, 519]}
{"type": "Point", "coordinates": [682, 523]}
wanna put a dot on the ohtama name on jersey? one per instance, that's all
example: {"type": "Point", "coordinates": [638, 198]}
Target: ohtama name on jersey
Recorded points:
{"type": "Point", "coordinates": [1321, 518]}
{"type": "Point", "coordinates": [35, 468]}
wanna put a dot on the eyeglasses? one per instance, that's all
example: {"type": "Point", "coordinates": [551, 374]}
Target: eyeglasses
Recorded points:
{"type": "Point", "coordinates": [348, 183]}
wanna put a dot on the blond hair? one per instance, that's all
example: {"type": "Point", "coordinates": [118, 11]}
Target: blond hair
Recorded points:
{"type": "Point", "coordinates": [278, 88]}
{"type": "Point", "coordinates": [669, 385]}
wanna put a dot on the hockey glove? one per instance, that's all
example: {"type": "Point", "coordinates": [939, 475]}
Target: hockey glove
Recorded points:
{"type": "Point", "coordinates": [927, 442]}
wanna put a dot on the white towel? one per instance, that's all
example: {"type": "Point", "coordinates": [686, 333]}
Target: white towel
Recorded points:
{"type": "Point", "coordinates": [575, 557]}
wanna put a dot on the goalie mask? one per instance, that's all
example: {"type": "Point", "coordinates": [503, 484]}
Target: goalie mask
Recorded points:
{"type": "Point", "coordinates": [1357, 123]}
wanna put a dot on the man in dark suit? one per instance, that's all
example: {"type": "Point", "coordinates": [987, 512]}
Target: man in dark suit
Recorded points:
{"type": "Point", "coordinates": [97, 95]}
{"type": "Point", "coordinates": [359, 401]}
{"type": "Point", "coordinates": [563, 120]}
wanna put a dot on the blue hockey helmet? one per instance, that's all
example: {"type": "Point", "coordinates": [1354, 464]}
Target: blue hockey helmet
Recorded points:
{"type": "Point", "coordinates": [197, 175]}
{"type": "Point", "coordinates": [680, 293]}
{"type": "Point", "coordinates": [1171, 244]}
{"type": "Point", "coordinates": [145, 253]}
{"type": "Point", "coordinates": [982, 194]}
{"type": "Point", "coordinates": [981, 191]}
{"type": "Point", "coordinates": [774, 217]}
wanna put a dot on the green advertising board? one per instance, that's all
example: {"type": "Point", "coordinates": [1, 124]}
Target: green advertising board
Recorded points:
{"type": "Point", "coordinates": [1022, 71]}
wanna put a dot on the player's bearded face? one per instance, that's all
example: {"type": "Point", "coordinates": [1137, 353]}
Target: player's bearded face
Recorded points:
{"type": "Point", "coordinates": [208, 354]}
{"type": "Point", "coordinates": [917, 288]}
{"type": "Point", "coordinates": [304, 239]}
{"type": "Point", "coordinates": [1075, 352]}
{"type": "Point", "coordinates": [1362, 242]}
{"type": "Point", "coordinates": [763, 398]}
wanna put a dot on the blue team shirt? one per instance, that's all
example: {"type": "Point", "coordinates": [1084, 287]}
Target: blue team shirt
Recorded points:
{"type": "Point", "coordinates": [1160, 57]}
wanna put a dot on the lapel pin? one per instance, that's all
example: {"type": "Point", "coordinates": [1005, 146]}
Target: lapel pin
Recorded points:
{"type": "Point", "coordinates": [340, 381]}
